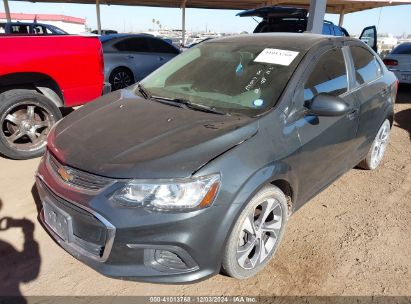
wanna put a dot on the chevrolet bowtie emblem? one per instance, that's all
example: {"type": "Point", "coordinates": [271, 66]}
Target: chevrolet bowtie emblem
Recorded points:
{"type": "Point", "coordinates": [65, 175]}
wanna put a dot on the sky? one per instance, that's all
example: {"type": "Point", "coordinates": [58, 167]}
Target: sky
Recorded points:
{"type": "Point", "coordinates": [395, 20]}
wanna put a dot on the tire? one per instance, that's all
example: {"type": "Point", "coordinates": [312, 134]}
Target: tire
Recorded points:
{"type": "Point", "coordinates": [121, 78]}
{"type": "Point", "coordinates": [242, 255]}
{"type": "Point", "coordinates": [26, 117]}
{"type": "Point", "coordinates": [377, 149]}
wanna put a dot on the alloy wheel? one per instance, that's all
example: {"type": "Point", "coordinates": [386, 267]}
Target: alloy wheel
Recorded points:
{"type": "Point", "coordinates": [380, 144]}
{"type": "Point", "coordinates": [259, 234]}
{"type": "Point", "coordinates": [121, 80]}
{"type": "Point", "coordinates": [25, 126]}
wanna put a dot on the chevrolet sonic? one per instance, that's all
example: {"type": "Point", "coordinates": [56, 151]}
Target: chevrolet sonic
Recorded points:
{"type": "Point", "coordinates": [197, 168]}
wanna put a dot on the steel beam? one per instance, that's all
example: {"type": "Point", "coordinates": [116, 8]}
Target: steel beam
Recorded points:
{"type": "Point", "coordinates": [183, 23]}
{"type": "Point", "coordinates": [7, 10]}
{"type": "Point", "coordinates": [316, 16]}
{"type": "Point", "coordinates": [98, 17]}
{"type": "Point", "coordinates": [341, 21]}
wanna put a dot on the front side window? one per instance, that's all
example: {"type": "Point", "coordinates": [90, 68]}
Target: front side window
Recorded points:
{"type": "Point", "coordinates": [329, 76]}
{"type": "Point", "coordinates": [20, 29]}
{"type": "Point", "coordinates": [366, 65]}
{"type": "Point", "coordinates": [226, 75]}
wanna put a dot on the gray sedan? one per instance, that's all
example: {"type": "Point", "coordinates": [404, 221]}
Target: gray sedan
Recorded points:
{"type": "Point", "coordinates": [129, 58]}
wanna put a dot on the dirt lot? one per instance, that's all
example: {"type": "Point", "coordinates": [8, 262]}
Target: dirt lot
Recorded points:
{"type": "Point", "coordinates": [352, 239]}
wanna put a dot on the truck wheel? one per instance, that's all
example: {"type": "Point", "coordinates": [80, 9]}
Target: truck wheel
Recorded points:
{"type": "Point", "coordinates": [26, 118]}
{"type": "Point", "coordinates": [256, 234]}
{"type": "Point", "coordinates": [121, 78]}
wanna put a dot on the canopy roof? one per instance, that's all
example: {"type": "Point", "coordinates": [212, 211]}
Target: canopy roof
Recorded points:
{"type": "Point", "coordinates": [333, 6]}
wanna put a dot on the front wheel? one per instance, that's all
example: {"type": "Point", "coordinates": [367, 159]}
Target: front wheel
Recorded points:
{"type": "Point", "coordinates": [256, 234]}
{"type": "Point", "coordinates": [26, 118]}
{"type": "Point", "coordinates": [377, 150]}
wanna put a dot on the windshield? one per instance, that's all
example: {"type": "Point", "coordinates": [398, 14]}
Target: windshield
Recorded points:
{"type": "Point", "coordinates": [244, 77]}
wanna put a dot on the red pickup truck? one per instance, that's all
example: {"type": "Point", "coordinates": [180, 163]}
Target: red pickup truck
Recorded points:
{"type": "Point", "coordinates": [40, 75]}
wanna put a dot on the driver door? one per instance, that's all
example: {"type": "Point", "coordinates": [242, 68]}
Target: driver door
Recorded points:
{"type": "Point", "coordinates": [327, 142]}
{"type": "Point", "coordinates": [369, 37]}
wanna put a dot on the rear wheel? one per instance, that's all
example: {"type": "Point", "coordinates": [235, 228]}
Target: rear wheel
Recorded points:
{"type": "Point", "coordinates": [121, 78]}
{"type": "Point", "coordinates": [26, 118]}
{"type": "Point", "coordinates": [256, 234]}
{"type": "Point", "coordinates": [377, 150]}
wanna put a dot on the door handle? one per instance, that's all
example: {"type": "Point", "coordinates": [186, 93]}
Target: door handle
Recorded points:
{"type": "Point", "coordinates": [160, 58]}
{"type": "Point", "coordinates": [353, 114]}
{"type": "Point", "coordinates": [129, 57]}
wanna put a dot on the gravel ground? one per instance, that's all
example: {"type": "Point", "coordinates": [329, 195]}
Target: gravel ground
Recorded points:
{"type": "Point", "coordinates": [353, 239]}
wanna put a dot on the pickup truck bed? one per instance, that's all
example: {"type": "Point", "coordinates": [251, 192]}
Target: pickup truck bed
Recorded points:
{"type": "Point", "coordinates": [38, 76]}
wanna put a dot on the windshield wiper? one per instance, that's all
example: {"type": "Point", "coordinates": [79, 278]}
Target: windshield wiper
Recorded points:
{"type": "Point", "coordinates": [189, 104]}
{"type": "Point", "coordinates": [143, 91]}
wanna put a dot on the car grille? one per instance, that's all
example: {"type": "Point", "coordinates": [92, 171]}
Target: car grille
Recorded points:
{"type": "Point", "coordinates": [76, 178]}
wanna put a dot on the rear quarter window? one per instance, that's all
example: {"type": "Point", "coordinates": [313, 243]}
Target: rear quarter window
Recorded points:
{"type": "Point", "coordinates": [367, 68]}
{"type": "Point", "coordinates": [160, 46]}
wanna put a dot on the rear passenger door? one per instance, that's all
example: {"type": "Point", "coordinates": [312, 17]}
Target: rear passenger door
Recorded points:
{"type": "Point", "coordinates": [136, 53]}
{"type": "Point", "coordinates": [326, 142]}
{"type": "Point", "coordinates": [371, 92]}
{"type": "Point", "coordinates": [163, 50]}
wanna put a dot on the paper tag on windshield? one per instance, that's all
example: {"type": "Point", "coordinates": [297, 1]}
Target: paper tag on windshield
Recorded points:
{"type": "Point", "coordinates": [276, 56]}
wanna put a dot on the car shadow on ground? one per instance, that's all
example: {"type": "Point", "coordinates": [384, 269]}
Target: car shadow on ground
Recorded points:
{"type": "Point", "coordinates": [17, 266]}
{"type": "Point", "coordinates": [404, 94]}
{"type": "Point", "coordinates": [403, 120]}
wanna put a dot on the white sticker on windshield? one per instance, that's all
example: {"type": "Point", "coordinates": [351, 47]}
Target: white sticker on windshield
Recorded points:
{"type": "Point", "coordinates": [276, 56]}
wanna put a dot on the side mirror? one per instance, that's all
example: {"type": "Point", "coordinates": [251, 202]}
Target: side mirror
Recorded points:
{"type": "Point", "coordinates": [327, 105]}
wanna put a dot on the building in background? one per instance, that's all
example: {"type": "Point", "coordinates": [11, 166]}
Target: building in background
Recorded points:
{"type": "Point", "coordinates": [71, 25]}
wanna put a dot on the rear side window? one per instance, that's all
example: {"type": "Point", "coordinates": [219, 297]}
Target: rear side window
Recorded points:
{"type": "Point", "coordinates": [402, 49]}
{"type": "Point", "coordinates": [329, 75]}
{"type": "Point", "coordinates": [38, 30]}
{"type": "Point", "coordinates": [160, 46]}
{"type": "Point", "coordinates": [366, 65]}
{"type": "Point", "coordinates": [133, 45]}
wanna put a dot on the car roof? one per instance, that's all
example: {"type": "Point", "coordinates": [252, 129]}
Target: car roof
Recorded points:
{"type": "Point", "coordinates": [275, 11]}
{"type": "Point", "coordinates": [302, 41]}
{"type": "Point", "coordinates": [105, 38]}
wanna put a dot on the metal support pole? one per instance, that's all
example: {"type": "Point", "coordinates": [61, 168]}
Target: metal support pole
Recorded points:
{"type": "Point", "coordinates": [316, 16]}
{"type": "Point", "coordinates": [183, 21]}
{"type": "Point", "coordinates": [341, 21]}
{"type": "Point", "coordinates": [7, 10]}
{"type": "Point", "coordinates": [98, 17]}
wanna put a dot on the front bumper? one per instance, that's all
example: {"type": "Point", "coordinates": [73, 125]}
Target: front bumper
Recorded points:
{"type": "Point", "coordinates": [134, 243]}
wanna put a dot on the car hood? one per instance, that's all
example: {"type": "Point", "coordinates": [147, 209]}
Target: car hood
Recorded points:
{"type": "Point", "coordinates": [122, 135]}
{"type": "Point", "coordinates": [275, 12]}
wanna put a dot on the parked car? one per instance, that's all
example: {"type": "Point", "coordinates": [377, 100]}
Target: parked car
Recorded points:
{"type": "Point", "coordinates": [38, 76]}
{"type": "Point", "coordinates": [105, 32]}
{"type": "Point", "coordinates": [129, 58]}
{"type": "Point", "coordinates": [30, 28]}
{"type": "Point", "coordinates": [399, 62]}
{"type": "Point", "coordinates": [201, 164]}
{"type": "Point", "coordinates": [295, 20]}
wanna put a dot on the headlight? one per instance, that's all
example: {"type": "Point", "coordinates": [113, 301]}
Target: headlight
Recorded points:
{"type": "Point", "coordinates": [173, 194]}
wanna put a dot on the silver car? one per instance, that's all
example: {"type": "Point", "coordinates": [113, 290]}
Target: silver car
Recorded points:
{"type": "Point", "coordinates": [129, 58]}
{"type": "Point", "coordinates": [399, 62]}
